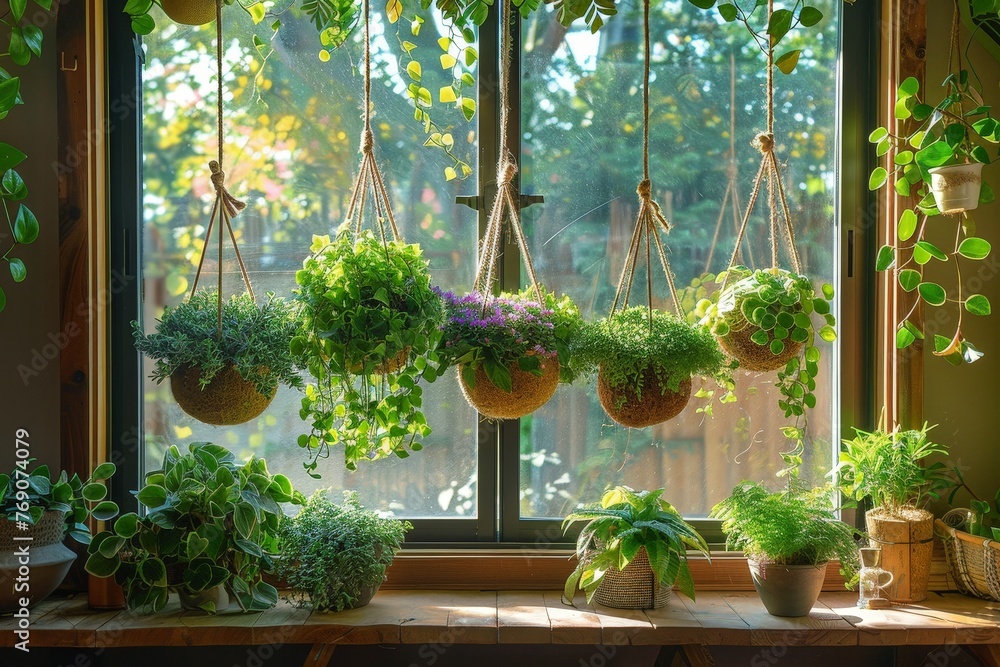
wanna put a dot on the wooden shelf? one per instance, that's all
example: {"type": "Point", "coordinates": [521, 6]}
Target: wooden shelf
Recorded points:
{"type": "Point", "coordinates": [524, 617]}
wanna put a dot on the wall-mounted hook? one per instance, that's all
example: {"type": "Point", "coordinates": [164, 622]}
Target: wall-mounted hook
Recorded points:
{"type": "Point", "coordinates": [63, 67]}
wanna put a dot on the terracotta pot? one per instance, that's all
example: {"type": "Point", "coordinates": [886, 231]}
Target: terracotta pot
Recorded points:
{"type": "Point", "coordinates": [787, 590]}
{"type": "Point", "coordinates": [528, 391]}
{"type": "Point", "coordinates": [754, 357]}
{"type": "Point", "coordinates": [907, 544]}
{"type": "Point", "coordinates": [227, 400]}
{"type": "Point", "coordinates": [49, 562]}
{"type": "Point", "coordinates": [189, 12]}
{"type": "Point", "coordinates": [956, 187]}
{"type": "Point", "coordinates": [650, 405]}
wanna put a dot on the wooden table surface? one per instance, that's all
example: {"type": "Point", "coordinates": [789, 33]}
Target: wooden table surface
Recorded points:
{"type": "Point", "coordinates": [529, 617]}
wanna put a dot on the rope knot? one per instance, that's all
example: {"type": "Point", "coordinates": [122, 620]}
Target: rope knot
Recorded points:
{"type": "Point", "coordinates": [764, 142]}
{"type": "Point", "coordinates": [644, 189]}
{"type": "Point", "coordinates": [506, 172]}
{"type": "Point", "coordinates": [231, 203]}
{"type": "Point", "coordinates": [367, 141]}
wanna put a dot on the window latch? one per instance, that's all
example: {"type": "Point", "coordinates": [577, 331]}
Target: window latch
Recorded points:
{"type": "Point", "coordinates": [475, 202]}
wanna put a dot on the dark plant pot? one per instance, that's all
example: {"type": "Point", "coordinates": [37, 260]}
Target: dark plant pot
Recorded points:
{"type": "Point", "coordinates": [651, 405]}
{"type": "Point", "coordinates": [365, 595]}
{"type": "Point", "coordinates": [194, 601]}
{"type": "Point", "coordinates": [50, 560]}
{"type": "Point", "coordinates": [227, 400]}
{"type": "Point", "coordinates": [528, 392]}
{"type": "Point", "coordinates": [787, 590]}
{"type": "Point", "coordinates": [957, 187]}
{"type": "Point", "coordinates": [754, 357]}
{"type": "Point", "coordinates": [189, 12]}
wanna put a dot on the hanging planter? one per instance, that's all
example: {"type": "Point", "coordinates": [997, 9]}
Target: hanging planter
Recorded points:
{"type": "Point", "coordinates": [222, 377]}
{"type": "Point", "coordinates": [957, 187]}
{"type": "Point", "coordinates": [645, 360]}
{"type": "Point", "coordinates": [189, 12]}
{"type": "Point", "coordinates": [510, 350]}
{"type": "Point", "coordinates": [370, 322]}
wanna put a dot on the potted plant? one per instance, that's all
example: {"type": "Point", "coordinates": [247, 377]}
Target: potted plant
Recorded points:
{"type": "Point", "coordinates": [971, 541]}
{"type": "Point", "coordinates": [187, 12]}
{"type": "Point", "coordinates": [632, 551]}
{"type": "Point", "coordinates": [644, 361]}
{"type": "Point", "coordinates": [210, 531]}
{"type": "Point", "coordinates": [46, 510]}
{"type": "Point", "coordinates": [335, 556]}
{"type": "Point", "coordinates": [369, 323]}
{"type": "Point", "coordinates": [226, 376]}
{"type": "Point", "coordinates": [788, 538]}
{"type": "Point", "coordinates": [511, 351]}
{"type": "Point", "coordinates": [889, 469]}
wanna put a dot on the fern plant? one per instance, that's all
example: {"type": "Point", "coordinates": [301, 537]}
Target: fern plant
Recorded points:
{"type": "Point", "coordinates": [791, 527]}
{"type": "Point", "coordinates": [624, 522]}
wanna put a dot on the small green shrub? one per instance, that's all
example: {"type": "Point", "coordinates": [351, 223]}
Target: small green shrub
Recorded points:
{"type": "Point", "coordinates": [255, 340]}
{"type": "Point", "coordinates": [330, 553]}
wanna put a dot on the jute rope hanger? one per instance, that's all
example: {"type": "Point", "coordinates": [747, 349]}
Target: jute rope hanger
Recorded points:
{"type": "Point", "coordinates": [769, 168]}
{"type": "Point", "coordinates": [650, 220]}
{"type": "Point", "coordinates": [505, 207]}
{"type": "Point", "coordinates": [226, 205]}
{"type": "Point", "coordinates": [370, 181]}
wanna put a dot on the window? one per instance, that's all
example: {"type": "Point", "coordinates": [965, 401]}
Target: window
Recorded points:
{"type": "Point", "coordinates": [292, 134]}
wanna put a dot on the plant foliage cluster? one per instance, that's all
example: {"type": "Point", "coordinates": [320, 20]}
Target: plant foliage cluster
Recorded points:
{"type": "Point", "coordinates": [25, 495]}
{"type": "Point", "coordinates": [255, 340]}
{"type": "Point", "coordinates": [369, 327]}
{"type": "Point", "coordinates": [332, 553]}
{"type": "Point", "coordinates": [497, 332]}
{"type": "Point", "coordinates": [889, 468]}
{"type": "Point", "coordinates": [791, 527]}
{"type": "Point", "coordinates": [209, 522]}
{"type": "Point", "coordinates": [624, 522]}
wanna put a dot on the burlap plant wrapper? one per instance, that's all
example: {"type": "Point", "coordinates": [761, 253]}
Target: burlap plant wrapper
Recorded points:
{"type": "Point", "coordinates": [635, 587]}
{"type": "Point", "coordinates": [907, 543]}
{"type": "Point", "coordinates": [226, 401]}
{"type": "Point", "coordinates": [528, 391]}
{"type": "Point", "coordinates": [651, 404]}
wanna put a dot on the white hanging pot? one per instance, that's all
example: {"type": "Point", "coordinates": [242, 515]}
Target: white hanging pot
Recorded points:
{"type": "Point", "coordinates": [956, 187]}
{"type": "Point", "coordinates": [189, 12]}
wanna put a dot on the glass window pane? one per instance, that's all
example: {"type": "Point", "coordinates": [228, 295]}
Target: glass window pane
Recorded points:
{"type": "Point", "coordinates": [293, 130]}
{"type": "Point", "coordinates": [582, 150]}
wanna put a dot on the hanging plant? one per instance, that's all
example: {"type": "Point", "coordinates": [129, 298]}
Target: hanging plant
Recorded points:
{"type": "Point", "coordinates": [644, 362]}
{"type": "Point", "coordinates": [937, 159]}
{"type": "Point", "coordinates": [369, 323]}
{"type": "Point", "coordinates": [226, 378]}
{"type": "Point", "coordinates": [511, 351]}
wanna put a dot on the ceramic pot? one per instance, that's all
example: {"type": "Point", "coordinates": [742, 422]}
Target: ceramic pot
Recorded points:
{"type": "Point", "coordinates": [956, 187]}
{"type": "Point", "coordinates": [48, 560]}
{"type": "Point", "coordinates": [787, 590]}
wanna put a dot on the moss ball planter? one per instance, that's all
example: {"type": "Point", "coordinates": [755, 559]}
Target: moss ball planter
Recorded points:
{"type": "Point", "coordinates": [645, 404]}
{"type": "Point", "coordinates": [189, 12]}
{"type": "Point", "coordinates": [227, 400]}
{"type": "Point", "coordinates": [644, 361]}
{"type": "Point", "coordinates": [510, 350]}
{"type": "Point", "coordinates": [228, 377]}
{"type": "Point", "coordinates": [756, 357]}
{"type": "Point", "coordinates": [528, 391]}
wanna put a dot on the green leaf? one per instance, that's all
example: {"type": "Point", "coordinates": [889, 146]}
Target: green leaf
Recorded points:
{"type": "Point", "coordinates": [703, 4]}
{"type": "Point", "coordinates": [885, 259]}
{"type": "Point", "coordinates": [934, 155]}
{"type": "Point", "coordinates": [414, 70]}
{"type": "Point", "coordinates": [94, 492]}
{"type": "Point", "coordinates": [877, 135]}
{"type": "Point", "coordinates": [728, 12]}
{"type": "Point", "coordinates": [3, 300]}
{"type": "Point", "coordinates": [102, 567]}
{"type": "Point", "coordinates": [779, 25]}
{"type": "Point", "coordinates": [104, 471]}
{"type": "Point", "coordinates": [977, 304]}
{"type": "Point", "coordinates": [105, 511]}
{"type": "Point", "coordinates": [810, 16]}
{"type": "Point", "coordinates": [17, 270]}
{"type": "Point", "coordinates": [17, 8]}
{"type": "Point", "coordinates": [974, 248]}
{"type": "Point", "coordinates": [25, 226]}
{"type": "Point", "coordinates": [828, 333]}
{"type": "Point", "coordinates": [904, 338]}
{"type": "Point", "coordinates": [18, 47]}
{"type": "Point", "coordinates": [33, 38]}
{"type": "Point", "coordinates": [878, 178]}
{"type": "Point", "coordinates": [787, 61]}
{"type": "Point", "coordinates": [932, 293]}
{"type": "Point", "coordinates": [143, 24]}
{"type": "Point", "coordinates": [907, 225]}
{"type": "Point", "coordinates": [909, 279]}
{"type": "Point", "coordinates": [932, 250]}
{"type": "Point", "coordinates": [127, 525]}
{"type": "Point", "coordinates": [257, 12]}
{"type": "Point", "coordinates": [152, 496]}
{"type": "Point", "coordinates": [10, 157]}
{"type": "Point", "coordinates": [908, 88]}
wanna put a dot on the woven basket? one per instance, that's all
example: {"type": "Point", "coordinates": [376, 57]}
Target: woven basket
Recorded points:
{"type": "Point", "coordinates": [974, 561]}
{"type": "Point", "coordinates": [635, 587]}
